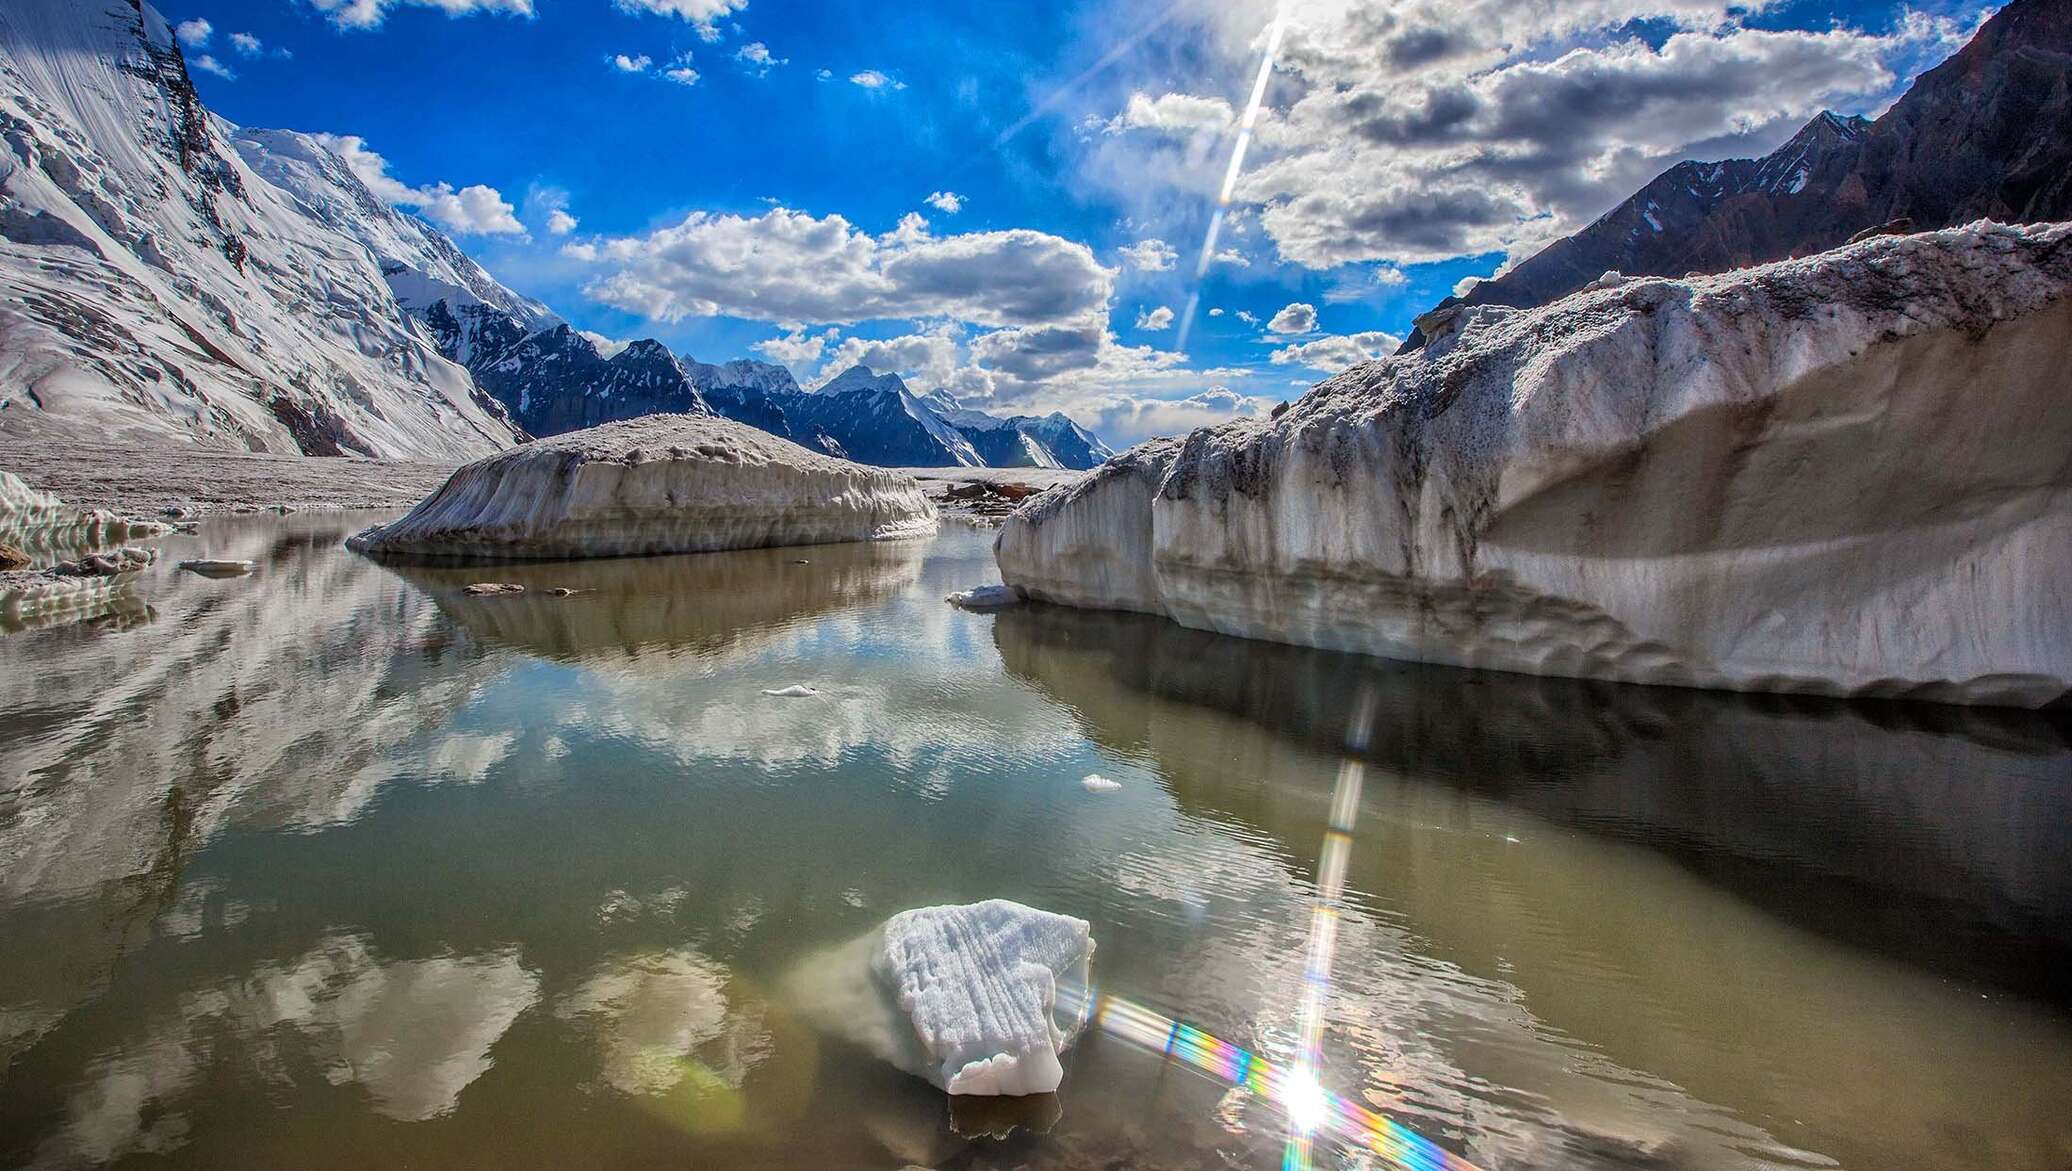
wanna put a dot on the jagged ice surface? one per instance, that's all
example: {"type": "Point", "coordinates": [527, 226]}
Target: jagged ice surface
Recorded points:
{"type": "Point", "coordinates": [1842, 474]}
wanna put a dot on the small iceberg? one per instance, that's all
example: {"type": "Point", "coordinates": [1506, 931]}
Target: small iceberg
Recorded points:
{"type": "Point", "coordinates": [978, 999]}
{"type": "Point", "coordinates": [991, 597]}
{"type": "Point", "coordinates": [795, 691]}
{"type": "Point", "coordinates": [1096, 783]}
{"type": "Point", "coordinates": [211, 567]}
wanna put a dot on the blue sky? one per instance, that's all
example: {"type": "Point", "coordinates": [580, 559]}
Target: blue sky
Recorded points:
{"type": "Point", "coordinates": [1398, 148]}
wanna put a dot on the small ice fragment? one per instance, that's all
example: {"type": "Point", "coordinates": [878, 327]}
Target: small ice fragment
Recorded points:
{"type": "Point", "coordinates": [990, 597]}
{"type": "Point", "coordinates": [212, 567]}
{"type": "Point", "coordinates": [978, 999]}
{"type": "Point", "coordinates": [795, 691]}
{"type": "Point", "coordinates": [492, 589]}
{"type": "Point", "coordinates": [1096, 783]}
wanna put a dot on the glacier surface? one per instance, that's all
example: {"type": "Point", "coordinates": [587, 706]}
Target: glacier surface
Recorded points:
{"type": "Point", "coordinates": [1844, 474]}
{"type": "Point", "coordinates": [656, 484]}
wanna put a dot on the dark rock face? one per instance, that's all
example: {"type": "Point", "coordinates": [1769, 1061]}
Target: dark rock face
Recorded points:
{"type": "Point", "coordinates": [556, 380]}
{"type": "Point", "coordinates": [1985, 135]}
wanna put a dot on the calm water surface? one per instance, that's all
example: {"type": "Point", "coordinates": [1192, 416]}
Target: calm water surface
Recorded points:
{"type": "Point", "coordinates": [336, 867]}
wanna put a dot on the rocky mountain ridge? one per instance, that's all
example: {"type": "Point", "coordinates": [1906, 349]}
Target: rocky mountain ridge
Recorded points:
{"type": "Point", "coordinates": [1985, 135]}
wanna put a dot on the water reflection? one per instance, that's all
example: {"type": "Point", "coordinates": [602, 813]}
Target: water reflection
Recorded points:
{"type": "Point", "coordinates": [334, 864]}
{"type": "Point", "coordinates": [1937, 837]}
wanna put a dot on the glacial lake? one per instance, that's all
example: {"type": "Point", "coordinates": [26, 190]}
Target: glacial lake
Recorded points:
{"type": "Point", "coordinates": [334, 866]}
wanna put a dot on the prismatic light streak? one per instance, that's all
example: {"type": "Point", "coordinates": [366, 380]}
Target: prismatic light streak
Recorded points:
{"type": "Point", "coordinates": [1246, 123]}
{"type": "Point", "coordinates": [1311, 1109]}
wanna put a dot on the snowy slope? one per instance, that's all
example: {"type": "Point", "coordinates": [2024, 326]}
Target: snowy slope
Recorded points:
{"type": "Point", "coordinates": [155, 287]}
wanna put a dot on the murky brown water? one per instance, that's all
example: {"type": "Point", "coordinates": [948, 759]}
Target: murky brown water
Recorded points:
{"type": "Point", "coordinates": [336, 867]}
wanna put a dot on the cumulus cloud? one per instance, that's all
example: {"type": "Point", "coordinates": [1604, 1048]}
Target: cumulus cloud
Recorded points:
{"type": "Point", "coordinates": [473, 210]}
{"type": "Point", "coordinates": [1422, 131]}
{"type": "Point", "coordinates": [947, 202]}
{"type": "Point", "coordinates": [1248, 317]}
{"type": "Point", "coordinates": [797, 348]}
{"type": "Point", "coordinates": [872, 79]}
{"type": "Point", "coordinates": [702, 15]}
{"type": "Point", "coordinates": [925, 360]}
{"type": "Point", "coordinates": [756, 58]}
{"type": "Point", "coordinates": [1297, 317]}
{"type": "Point", "coordinates": [680, 71]}
{"type": "Point", "coordinates": [625, 64]}
{"type": "Point", "coordinates": [607, 347]}
{"type": "Point", "coordinates": [1216, 312]}
{"type": "Point", "coordinates": [790, 265]}
{"type": "Point", "coordinates": [1149, 255]}
{"type": "Point", "coordinates": [208, 64]}
{"type": "Point", "coordinates": [358, 14]}
{"type": "Point", "coordinates": [1156, 319]}
{"type": "Point", "coordinates": [559, 222]}
{"type": "Point", "coordinates": [1131, 419]}
{"type": "Point", "coordinates": [246, 44]}
{"type": "Point", "coordinates": [194, 33]}
{"type": "Point", "coordinates": [1334, 352]}
{"type": "Point", "coordinates": [1173, 113]}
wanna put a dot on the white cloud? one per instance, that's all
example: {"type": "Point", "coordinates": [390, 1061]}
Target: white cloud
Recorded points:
{"type": "Point", "coordinates": [824, 74]}
{"type": "Point", "coordinates": [607, 347]}
{"type": "Point", "coordinates": [947, 202]}
{"type": "Point", "coordinates": [925, 360]}
{"type": "Point", "coordinates": [1156, 319]}
{"type": "Point", "coordinates": [559, 222]}
{"type": "Point", "coordinates": [797, 348]}
{"type": "Point", "coordinates": [702, 15]}
{"type": "Point", "coordinates": [246, 44]}
{"type": "Point", "coordinates": [194, 33]}
{"type": "Point", "coordinates": [680, 71]}
{"type": "Point", "coordinates": [1181, 113]}
{"type": "Point", "coordinates": [872, 79]}
{"type": "Point", "coordinates": [1231, 257]}
{"type": "Point", "coordinates": [1249, 318]}
{"type": "Point", "coordinates": [1334, 352]}
{"type": "Point", "coordinates": [1466, 285]}
{"type": "Point", "coordinates": [371, 13]}
{"type": "Point", "coordinates": [625, 64]}
{"type": "Point", "coordinates": [757, 58]}
{"type": "Point", "coordinates": [474, 210]}
{"type": "Point", "coordinates": [208, 64]}
{"type": "Point", "coordinates": [1131, 419]}
{"type": "Point", "coordinates": [1149, 255]}
{"type": "Point", "coordinates": [1216, 312]}
{"type": "Point", "coordinates": [1296, 317]}
{"type": "Point", "coordinates": [790, 265]}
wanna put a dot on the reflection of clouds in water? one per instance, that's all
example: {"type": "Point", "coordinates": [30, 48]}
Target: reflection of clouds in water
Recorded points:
{"type": "Point", "coordinates": [270, 701]}
{"type": "Point", "coordinates": [664, 1015]}
{"type": "Point", "coordinates": [467, 756]}
{"type": "Point", "coordinates": [412, 1033]}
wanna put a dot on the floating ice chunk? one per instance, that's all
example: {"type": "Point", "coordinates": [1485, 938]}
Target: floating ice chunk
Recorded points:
{"type": "Point", "coordinates": [795, 691]}
{"type": "Point", "coordinates": [212, 567]}
{"type": "Point", "coordinates": [991, 597]}
{"type": "Point", "coordinates": [1096, 783]}
{"type": "Point", "coordinates": [977, 999]}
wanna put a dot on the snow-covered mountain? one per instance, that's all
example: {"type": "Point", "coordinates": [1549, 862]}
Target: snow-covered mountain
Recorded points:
{"type": "Point", "coordinates": [156, 285]}
{"type": "Point", "coordinates": [167, 276]}
{"type": "Point", "coordinates": [1022, 441]}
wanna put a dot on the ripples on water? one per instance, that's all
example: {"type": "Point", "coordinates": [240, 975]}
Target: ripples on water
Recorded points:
{"type": "Point", "coordinates": [336, 866]}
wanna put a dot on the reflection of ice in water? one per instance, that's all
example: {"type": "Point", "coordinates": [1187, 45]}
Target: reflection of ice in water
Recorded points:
{"type": "Point", "coordinates": [413, 1033]}
{"type": "Point", "coordinates": [663, 1015]}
